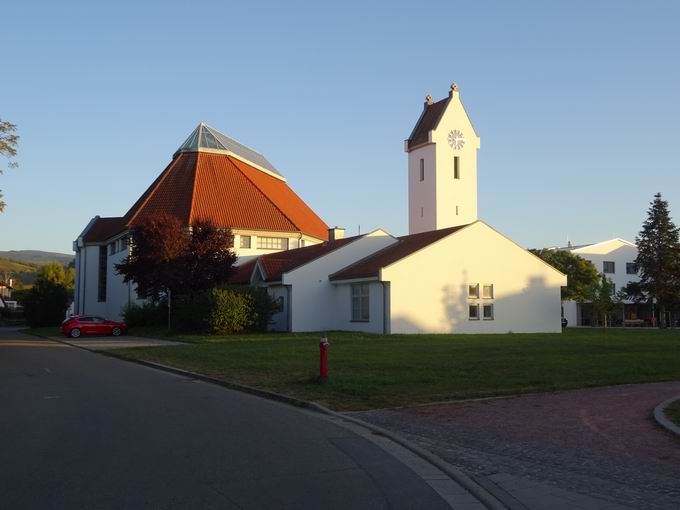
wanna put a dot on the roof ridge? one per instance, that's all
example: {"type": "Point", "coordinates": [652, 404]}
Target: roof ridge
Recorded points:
{"type": "Point", "coordinates": [263, 193]}
{"type": "Point", "coordinates": [150, 191]}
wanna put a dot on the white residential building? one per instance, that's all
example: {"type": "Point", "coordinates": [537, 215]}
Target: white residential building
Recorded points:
{"type": "Point", "coordinates": [615, 258]}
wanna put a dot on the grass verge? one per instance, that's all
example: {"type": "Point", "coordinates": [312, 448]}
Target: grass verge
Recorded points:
{"type": "Point", "coordinates": [672, 412]}
{"type": "Point", "coordinates": [373, 371]}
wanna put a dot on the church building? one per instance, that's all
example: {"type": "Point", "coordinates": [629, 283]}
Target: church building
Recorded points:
{"type": "Point", "coordinates": [451, 274]}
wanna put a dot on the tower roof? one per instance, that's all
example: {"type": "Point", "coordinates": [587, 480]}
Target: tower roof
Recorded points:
{"type": "Point", "coordinates": [207, 139]}
{"type": "Point", "coordinates": [429, 119]}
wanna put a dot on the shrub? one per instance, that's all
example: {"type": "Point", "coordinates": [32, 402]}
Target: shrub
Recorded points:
{"type": "Point", "coordinates": [45, 304]}
{"type": "Point", "coordinates": [146, 315]}
{"type": "Point", "coordinates": [224, 311]}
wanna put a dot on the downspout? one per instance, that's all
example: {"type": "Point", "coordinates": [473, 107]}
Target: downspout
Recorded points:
{"type": "Point", "coordinates": [384, 307]}
{"type": "Point", "coordinates": [289, 295]}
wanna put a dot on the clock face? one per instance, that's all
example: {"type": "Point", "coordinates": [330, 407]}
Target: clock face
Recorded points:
{"type": "Point", "coordinates": [456, 139]}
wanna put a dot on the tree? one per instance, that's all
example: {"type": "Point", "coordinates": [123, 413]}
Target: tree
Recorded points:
{"type": "Point", "coordinates": [8, 148]}
{"type": "Point", "coordinates": [658, 259]}
{"type": "Point", "coordinates": [46, 302]}
{"type": "Point", "coordinates": [583, 278]}
{"type": "Point", "coordinates": [167, 258]}
{"type": "Point", "coordinates": [606, 301]}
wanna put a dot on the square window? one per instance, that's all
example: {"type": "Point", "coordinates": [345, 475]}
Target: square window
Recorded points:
{"type": "Point", "coordinates": [487, 291]}
{"type": "Point", "coordinates": [473, 291]}
{"type": "Point", "coordinates": [422, 169]}
{"type": "Point", "coordinates": [488, 312]}
{"type": "Point", "coordinates": [245, 242]}
{"type": "Point", "coordinates": [473, 312]}
{"type": "Point", "coordinates": [608, 267]}
{"type": "Point", "coordinates": [631, 268]}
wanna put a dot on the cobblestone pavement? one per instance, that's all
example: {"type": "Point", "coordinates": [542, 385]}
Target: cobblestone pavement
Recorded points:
{"type": "Point", "coordinates": [600, 442]}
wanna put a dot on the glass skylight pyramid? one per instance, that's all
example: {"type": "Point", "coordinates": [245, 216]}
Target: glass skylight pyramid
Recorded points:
{"type": "Point", "coordinates": [205, 137]}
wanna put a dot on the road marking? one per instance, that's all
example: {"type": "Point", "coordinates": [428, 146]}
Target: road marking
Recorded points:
{"type": "Point", "coordinates": [38, 343]}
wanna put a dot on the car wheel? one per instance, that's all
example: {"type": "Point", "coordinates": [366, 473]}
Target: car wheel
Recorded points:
{"type": "Point", "coordinates": [75, 333]}
{"type": "Point", "coordinates": [115, 331]}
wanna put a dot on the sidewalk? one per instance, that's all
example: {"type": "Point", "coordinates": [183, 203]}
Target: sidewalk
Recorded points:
{"type": "Point", "coordinates": [107, 343]}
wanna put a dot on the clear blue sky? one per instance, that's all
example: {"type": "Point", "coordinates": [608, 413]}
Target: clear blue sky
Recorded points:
{"type": "Point", "coordinates": [577, 104]}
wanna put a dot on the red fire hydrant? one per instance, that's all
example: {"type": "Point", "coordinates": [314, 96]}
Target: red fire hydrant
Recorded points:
{"type": "Point", "coordinates": [323, 358]}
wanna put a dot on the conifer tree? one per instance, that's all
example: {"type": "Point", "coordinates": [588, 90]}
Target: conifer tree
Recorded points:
{"type": "Point", "coordinates": [658, 258]}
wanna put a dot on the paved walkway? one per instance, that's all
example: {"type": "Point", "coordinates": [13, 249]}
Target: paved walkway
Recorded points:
{"type": "Point", "coordinates": [593, 448]}
{"type": "Point", "coordinates": [107, 343]}
{"type": "Point", "coordinates": [79, 430]}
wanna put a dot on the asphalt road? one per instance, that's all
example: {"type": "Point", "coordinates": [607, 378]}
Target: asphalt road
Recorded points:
{"type": "Point", "coordinates": [81, 430]}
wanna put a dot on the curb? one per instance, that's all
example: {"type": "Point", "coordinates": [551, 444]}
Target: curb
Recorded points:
{"type": "Point", "coordinates": [661, 419]}
{"type": "Point", "coordinates": [482, 495]}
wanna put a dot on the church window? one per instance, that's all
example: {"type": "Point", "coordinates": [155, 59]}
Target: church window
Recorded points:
{"type": "Point", "coordinates": [422, 212]}
{"type": "Point", "coordinates": [101, 283]}
{"type": "Point", "coordinates": [422, 169]}
{"type": "Point", "coordinates": [456, 210]}
{"type": "Point", "coordinates": [245, 242]}
{"type": "Point", "coordinates": [360, 302]}
{"type": "Point", "coordinates": [272, 243]}
{"type": "Point", "coordinates": [488, 312]}
{"type": "Point", "coordinates": [456, 167]}
{"type": "Point", "coordinates": [473, 291]}
{"type": "Point", "coordinates": [473, 312]}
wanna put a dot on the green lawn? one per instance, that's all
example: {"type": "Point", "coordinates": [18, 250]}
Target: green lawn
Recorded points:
{"type": "Point", "coordinates": [672, 412]}
{"type": "Point", "coordinates": [373, 371]}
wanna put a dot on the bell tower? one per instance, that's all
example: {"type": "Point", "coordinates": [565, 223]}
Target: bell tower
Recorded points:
{"type": "Point", "coordinates": [442, 166]}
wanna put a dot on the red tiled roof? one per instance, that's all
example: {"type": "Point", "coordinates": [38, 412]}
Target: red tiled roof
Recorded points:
{"type": "Point", "coordinates": [103, 229]}
{"type": "Point", "coordinates": [427, 122]}
{"type": "Point", "coordinates": [371, 265]}
{"type": "Point", "coordinates": [242, 273]}
{"type": "Point", "coordinates": [276, 264]}
{"type": "Point", "coordinates": [231, 193]}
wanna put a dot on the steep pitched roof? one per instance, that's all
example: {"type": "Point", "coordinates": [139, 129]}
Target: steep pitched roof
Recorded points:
{"type": "Point", "coordinates": [428, 121]}
{"type": "Point", "coordinates": [206, 138]}
{"type": "Point", "coordinates": [370, 266]}
{"type": "Point", "coordinates": [274, 265]}
{"type": "Point", "coordinates": [228, 191]}
{"type": "Point", "coordinates": [102, 229]}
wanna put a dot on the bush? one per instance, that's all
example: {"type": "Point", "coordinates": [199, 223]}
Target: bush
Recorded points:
{"type": "Point", "coordinates": [45, 304]}
{"type": "Point", "coordinates": [146, 315]}
{"type": "Point", "coordinates": [224, 311]}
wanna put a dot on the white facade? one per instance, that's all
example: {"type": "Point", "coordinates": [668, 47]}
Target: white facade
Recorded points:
{"type": "Point", "coordinates": [427, 291]}
{"type": "Point", "coordinates": [615, 259]}
{"type": "Point", "coordinates": [442, 171]}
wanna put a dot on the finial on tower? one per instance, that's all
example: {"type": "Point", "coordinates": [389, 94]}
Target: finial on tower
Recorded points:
{"type": "Point", "coordinates": [454, 87]}
{"type": "Point", "coordinates": [428, 99]}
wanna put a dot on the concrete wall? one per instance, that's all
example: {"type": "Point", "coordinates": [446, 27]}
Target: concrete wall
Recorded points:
{"type": "Point", "coordinates": [422, 195]}
{"type": "Point", "coordinates": [429, 289]}
{"type": "Point", "coordinates": [313, 302]}
{"type": "Point", "coordinates": [616, 250]}
{"type": "Point", "coordinates": [280, 319]}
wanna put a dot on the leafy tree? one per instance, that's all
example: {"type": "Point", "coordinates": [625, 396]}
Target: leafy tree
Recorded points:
{"type": "Point", "coordinates": [583, 278]}
{"type": "Point", "coordinates": [658, 258]}
{"type": "Point", "coordinates": [167, 258]}
{"type": "Point", "coordinates": [46, 302]}
{"type": "Point", "coordinates": [8, 148]}
{"type": "Point", "coordinates": [605, 301]}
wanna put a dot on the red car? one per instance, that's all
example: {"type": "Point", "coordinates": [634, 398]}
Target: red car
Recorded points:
{"type": "Point", "coordinates": [91, 325]}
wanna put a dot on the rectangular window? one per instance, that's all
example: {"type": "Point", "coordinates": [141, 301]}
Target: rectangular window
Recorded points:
{"type": "Point", "coordinates": [608, 267]}
{"type": "Point", "coordinates": [422, 212]}
{"type": "Point", "coordinates": [473, 291]}
{"type": "Point", "coordinates": [422, 169]}
{"type": "Point", "coordinates": [487, 291]}
{"type": "Point", "coordinates": [112, 248]}
{"type": "Point", "coordinates": [631, 268]}
{"type": "Point", "coordinates": [245, 242]}
{"type": "Point", "coordinates": [456, 167]}
{"type": "Point", "coordinates": [101, 284]}
{"type": "Point", "coordinates": [360, 300]}
{"type": "Point", "coordinates": [473, 312]}
{"type": "Point", "coordinates": [456, 210]}
{"type": "Point", "coordinates": [613, 289]}
{"type": "Point", "coordinates": [488, 312]}
{"type": "Point", "coordinates": [272, 243]}
{"type": "Point", "coordinates": [123, 243]}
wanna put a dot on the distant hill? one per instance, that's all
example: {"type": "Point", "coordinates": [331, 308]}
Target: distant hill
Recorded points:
{"type": "Point", "coordinates": [36, 257]}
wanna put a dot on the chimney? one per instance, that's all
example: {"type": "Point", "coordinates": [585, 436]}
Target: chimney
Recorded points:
{"type": "Point", "coordinates": [336, 233]}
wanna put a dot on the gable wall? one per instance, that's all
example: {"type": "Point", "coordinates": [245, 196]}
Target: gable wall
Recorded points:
{"type": "Point", "coordinates": [429, 289]}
